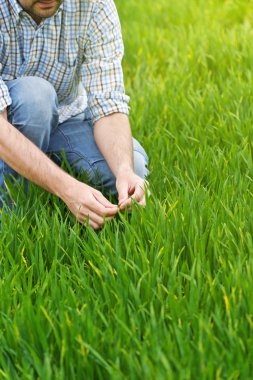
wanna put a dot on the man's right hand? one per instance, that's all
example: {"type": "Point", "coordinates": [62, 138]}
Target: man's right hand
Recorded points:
{"type": "Point", "coordinates": [88, 204]}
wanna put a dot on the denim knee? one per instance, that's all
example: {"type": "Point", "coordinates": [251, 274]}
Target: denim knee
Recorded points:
{"type": "Point", "coordinates": [34, 108]}
{"type": "Point", "coordinates": [140, 165]}
{"type": "Point", "coordinates": [140, 160]}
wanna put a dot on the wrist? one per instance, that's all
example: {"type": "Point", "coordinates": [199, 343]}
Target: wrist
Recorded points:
{"type": "Point", "coordinates": [64, 185]}
{"type": "Point", "coordinates": [124, 170]}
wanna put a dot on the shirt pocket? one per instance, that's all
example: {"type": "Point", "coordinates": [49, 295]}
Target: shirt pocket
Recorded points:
{"type": "Point", "coordinates": [65, 78]}
{"type": "Point", "coordinates": [63, 70]}
{"type": "Point", "coordinates": [68, 52]}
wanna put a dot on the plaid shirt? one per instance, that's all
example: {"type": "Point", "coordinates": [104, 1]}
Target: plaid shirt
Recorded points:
{"type": "Point", "coordinates": [79, 47]}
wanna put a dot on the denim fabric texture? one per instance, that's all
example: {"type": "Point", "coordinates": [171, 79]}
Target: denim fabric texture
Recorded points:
{"type": "Point", "coordinates": [34, 112]}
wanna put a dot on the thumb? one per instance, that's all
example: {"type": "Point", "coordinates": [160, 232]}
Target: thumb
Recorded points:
{"type": "Point", "coordinates": [101, 199]}
{"type": "Point", "coordinates": [122, 188]}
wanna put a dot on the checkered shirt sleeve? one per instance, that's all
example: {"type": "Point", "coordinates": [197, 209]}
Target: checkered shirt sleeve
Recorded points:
{"type": "Point", "coordinates": [102, 70]}
{"type": "Point", "coordinates": [5, 99]}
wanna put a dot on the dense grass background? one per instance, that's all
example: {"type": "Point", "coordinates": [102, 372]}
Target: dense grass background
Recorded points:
{"type": "Point", "coordinates": [166, 293]}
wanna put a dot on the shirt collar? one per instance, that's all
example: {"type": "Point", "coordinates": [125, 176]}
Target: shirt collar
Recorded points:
{"type": "Point", "coordinates": [16, 7]}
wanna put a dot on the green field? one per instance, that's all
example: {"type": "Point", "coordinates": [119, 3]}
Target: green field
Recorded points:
{"type": "Point", "coordinates": [166, 293]}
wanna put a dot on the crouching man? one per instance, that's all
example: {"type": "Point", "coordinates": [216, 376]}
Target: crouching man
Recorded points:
{"type": "Point", "coordinates": [62, 90]}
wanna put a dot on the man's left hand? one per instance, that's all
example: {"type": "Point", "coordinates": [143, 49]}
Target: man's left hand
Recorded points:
{"type": "Point", "coordinates": [130, 187]}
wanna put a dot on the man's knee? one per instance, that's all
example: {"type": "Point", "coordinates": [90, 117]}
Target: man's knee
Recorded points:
{"type": "Point", "coordinates": [34, 108]}
{"type": "Point", "coordinates": [33, 93]}
{"type": "Point", "coordinates": [140, 160]}
{"type": "Point", "coordinates": [140, 165]}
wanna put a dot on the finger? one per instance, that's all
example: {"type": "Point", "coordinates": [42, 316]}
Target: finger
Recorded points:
{"type": "Point", "coordinates": [84, 213]}
{"type": "Point", "coordinates": [142, 203]}
{"type": "Point", "coordinates": [79, 214]}
{"type": "Point", "coordinates": [123, 201]}
{"type": "Point", "coordinates": [101, 210]}
{"type": "Point", "coordinates": [122, 189]}
{"type": "Point", "coordinates": [83, 220]}
{"type": "Point", "coordinates": [126, 205]}
{"type": "Point", "coordinates": [101, 199]}
{"type": "Point", "coordinates": [97, 222]}
{"type": "Point", "coordinates": [93, 220]}
{"type": "Point", "coordinates": [99, 219]}
{"type": "Point", "coordinates": [138, 196]}
{"type": "Point", "coordinates": [139, 193]}
{"type": "Point", "coordinates": [94, 225]}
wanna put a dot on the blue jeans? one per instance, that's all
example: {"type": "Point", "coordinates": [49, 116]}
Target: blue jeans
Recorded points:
{"type": "Point", "coordinates": [34, 113]}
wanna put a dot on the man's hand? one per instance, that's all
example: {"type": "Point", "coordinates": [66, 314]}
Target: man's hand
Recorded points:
{"type": "Point", "coordinates": [130, 187]}
{"type": "Point", "coordinates": [114, 139]}
{"type": "Point", "coordinates": [89, 204]}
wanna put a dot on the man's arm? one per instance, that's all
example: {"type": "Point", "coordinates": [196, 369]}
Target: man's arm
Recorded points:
{"type": "Point", "coordinates": [113, 137]}
{"type": "Point", "coordinates": [108, 103]}
{"type": "Point", "coordinates": [28, 160]}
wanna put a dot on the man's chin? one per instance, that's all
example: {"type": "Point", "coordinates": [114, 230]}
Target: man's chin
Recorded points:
{"type": "Point", "coordinates": [46, 9]}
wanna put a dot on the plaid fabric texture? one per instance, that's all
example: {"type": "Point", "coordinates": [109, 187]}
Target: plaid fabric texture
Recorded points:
{"type": "Point", "coordinates": [78, 50]}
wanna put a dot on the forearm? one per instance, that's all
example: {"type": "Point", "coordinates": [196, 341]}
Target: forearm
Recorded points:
{"type": "Point", "coordinates": [29, 161]}
{"type": "Point", "coordinates": [86, 203]}
{"type": "Point", "coordinates": [114, 139]}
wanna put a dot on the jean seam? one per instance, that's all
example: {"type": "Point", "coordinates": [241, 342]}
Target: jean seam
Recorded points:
{"type": "Point", "coordinates": [78, 154]}
{"type": "Point", "coordinates": [72, 150]}
{"type": "Point", "coordinates": [95, 162]}
{"type": "Point", "coordinates": [65, 138]}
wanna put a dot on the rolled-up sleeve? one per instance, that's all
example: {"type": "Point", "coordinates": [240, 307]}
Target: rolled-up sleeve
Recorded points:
{"type": "Point", "coordinates": [5, 99]}
{"type": "Point", "coordinates": [102, 69]}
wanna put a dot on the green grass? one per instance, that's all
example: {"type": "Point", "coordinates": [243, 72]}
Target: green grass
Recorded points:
{"type": "Point", "coordinates": [167, 293]}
